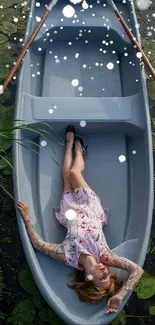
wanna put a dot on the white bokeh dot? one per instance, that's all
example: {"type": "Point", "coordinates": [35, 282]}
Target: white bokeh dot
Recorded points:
{"type": "Point", "coordinates": [38, 19]}
{"type": "Point", "coordinates": [75, 82]}
{"type": "Point", "coordinates": [70, 214]}
{"type": "Point", "coordinates": [43, 143]}
{"type": "Point", "coordinates": [68, 11]}
{"type": "Point", "coordinates": [15, 20]}
{"type": "Point", "coordinates": [85, 5]}
{"type": "Point", "coordinates": [110, 65]}
{"type": "Point", "coordinates": [83, 124]}
{"type": "Point", "coordinates": [50, 110]}
{"type": "Point", "coordinates": [76, 55]}
{"type": "Point", "coordinates": [139, 54]}
{"type": "Point", "coordinates": [75, 1]}
{"type": "Point", "coordinates": [134, 152]}
{"type": "Point", "coordinates": [121, 158]}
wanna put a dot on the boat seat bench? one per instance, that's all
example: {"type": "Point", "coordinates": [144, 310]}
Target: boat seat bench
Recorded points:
{"type": "Point", "coordinates": [102, 20]}
{"type": "Point", "coordinates": [91, 109]}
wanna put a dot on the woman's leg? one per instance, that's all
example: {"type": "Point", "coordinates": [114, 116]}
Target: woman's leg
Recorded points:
{"type": "Point", "coordinates": [76, 178]}
{"type": "Point", "coordinates": [68, 161]}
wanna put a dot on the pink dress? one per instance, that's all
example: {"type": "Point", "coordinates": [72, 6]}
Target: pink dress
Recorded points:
{"type": "Point", "coordinates": [84, 232]}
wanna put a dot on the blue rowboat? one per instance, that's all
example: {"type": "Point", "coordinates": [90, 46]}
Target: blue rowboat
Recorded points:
{"type": "Point", "coordinates": [82, 69]}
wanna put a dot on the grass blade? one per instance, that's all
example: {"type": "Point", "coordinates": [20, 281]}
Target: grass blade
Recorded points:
{"type": "Point", "coordinates": [7, 192]}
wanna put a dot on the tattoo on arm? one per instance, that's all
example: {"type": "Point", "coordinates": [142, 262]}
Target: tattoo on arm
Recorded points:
{"type": "Point", "coordinates": [135, 271]}
{"type": "Point", "coordinates": [54, 250]}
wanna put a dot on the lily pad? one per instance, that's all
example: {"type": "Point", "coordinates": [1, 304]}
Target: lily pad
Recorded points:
{"type": "Point", "coordinates": [8, 14]}
{"type": "Point", "coordinates": [152, 310]}
{"type": "Point", "coordinates": [3, 39]}
{"type": "Point", "coordinates": [5, 144]}
{"type": "Point", "coordinates": [38, 299]}
{"type": "Point", "coordinates": [146, 287]}
{"type": "Point", "coordinates": [151, 89]}
{"type": "Point", "coordinates": [7, 171]}
{"type": "Point", "coordinates": [26, 280]}
{"type": "Point", "coordinates": [10, 48]}
{"type": "Point", "coordinates": [9, 3]}
{"type": "Point", "coordinates": [9, 28]}
{"type": "Point", "coordinates": [3, 73]}
{"type": "Point", "coordinates": [149, 46]}
{"type": "Point", "coordinates": [6, 58]}
{"type": "Point", "coordinates": [48, 315]}
{"type": "Point", "coordinates": [120, 319]}
{"type": "Point", "coordinates": [6, 113]}
{"type": "Point", "coordinates": [23, 313]}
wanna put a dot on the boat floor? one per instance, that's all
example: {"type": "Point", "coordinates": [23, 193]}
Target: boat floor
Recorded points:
{"type": "Point", "coordinates": [85, 63]}
{"type": "Point", "coordinates": [104, 173]}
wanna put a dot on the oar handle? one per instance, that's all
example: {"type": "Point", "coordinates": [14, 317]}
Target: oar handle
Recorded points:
{"type": "Point", "coordinates": [134, 41]}
{"type": "Point", "coordinates": [24, 50]}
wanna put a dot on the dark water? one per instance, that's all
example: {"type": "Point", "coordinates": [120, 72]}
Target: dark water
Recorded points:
{"type": "Point", "coordinates": [18, 305]}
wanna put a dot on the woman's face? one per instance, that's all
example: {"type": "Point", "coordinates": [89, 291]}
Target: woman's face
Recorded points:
{"type": "Point", "coordinates": [101, 276]}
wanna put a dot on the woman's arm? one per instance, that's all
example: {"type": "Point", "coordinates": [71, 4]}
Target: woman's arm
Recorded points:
{"type": "Point", "coordinates": [54, 250]}
{"type": "Point", "coordinates": [135, 272]}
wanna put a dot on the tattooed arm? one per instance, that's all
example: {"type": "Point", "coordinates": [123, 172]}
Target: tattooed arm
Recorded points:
{"type": "Point", "coordinates": [135, 272]}
{"type": "Point", "coordinates": [54, 250]}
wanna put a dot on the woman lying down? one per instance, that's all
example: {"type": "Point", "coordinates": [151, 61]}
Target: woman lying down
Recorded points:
{"type": "Point", "coordinates": [84, 247]}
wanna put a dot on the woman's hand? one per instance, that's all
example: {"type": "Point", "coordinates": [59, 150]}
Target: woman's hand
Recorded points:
{"type": "Point", "coordinates": [24, 209]}
{"type": "Point", "coordinates": [114, 304]}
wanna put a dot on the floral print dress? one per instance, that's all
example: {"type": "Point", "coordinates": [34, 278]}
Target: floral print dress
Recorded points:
{"type": "Point", "coordinates": [84, 231]}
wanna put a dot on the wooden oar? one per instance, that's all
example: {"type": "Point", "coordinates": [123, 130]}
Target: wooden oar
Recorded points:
{"type": "Point", "coordinates": [132, 38]}
{"type": "Point", "coordinates": [27, 46]}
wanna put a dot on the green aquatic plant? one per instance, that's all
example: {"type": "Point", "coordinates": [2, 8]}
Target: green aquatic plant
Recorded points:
{"type": "Point", "coordinates": [6, 139]}
{"type": "Point", "coordinates": [27, 282]}
{"type": "Point", "coordinates": [8, 28]}
{"type": "Point", "coordinates": [146, 287]}
{"type": "Point", "coordinates": [151, 89]}
{"type": "Point", "coordinates": [7, 240]}
{"type": "Point", "coordinates": [3, 39]}
{"type": "Point", "coordinates": [2, 315]}
{"type": "Point", "coordinates": [9, 3]}
{"type": "Point", "coordinates": [120, 319]}
{"type": "Point", "coordinates": [149, 49]}
{"type": "Point", "coordinates": [152, 310]}
{"type": "Point", "coordinates": [48, 315]}
{"type": "Point", "coordinates": [23, 313]}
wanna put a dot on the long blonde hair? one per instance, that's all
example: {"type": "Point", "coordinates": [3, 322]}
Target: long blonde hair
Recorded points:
{"type": "Point", "coordinates": [88, 292]}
